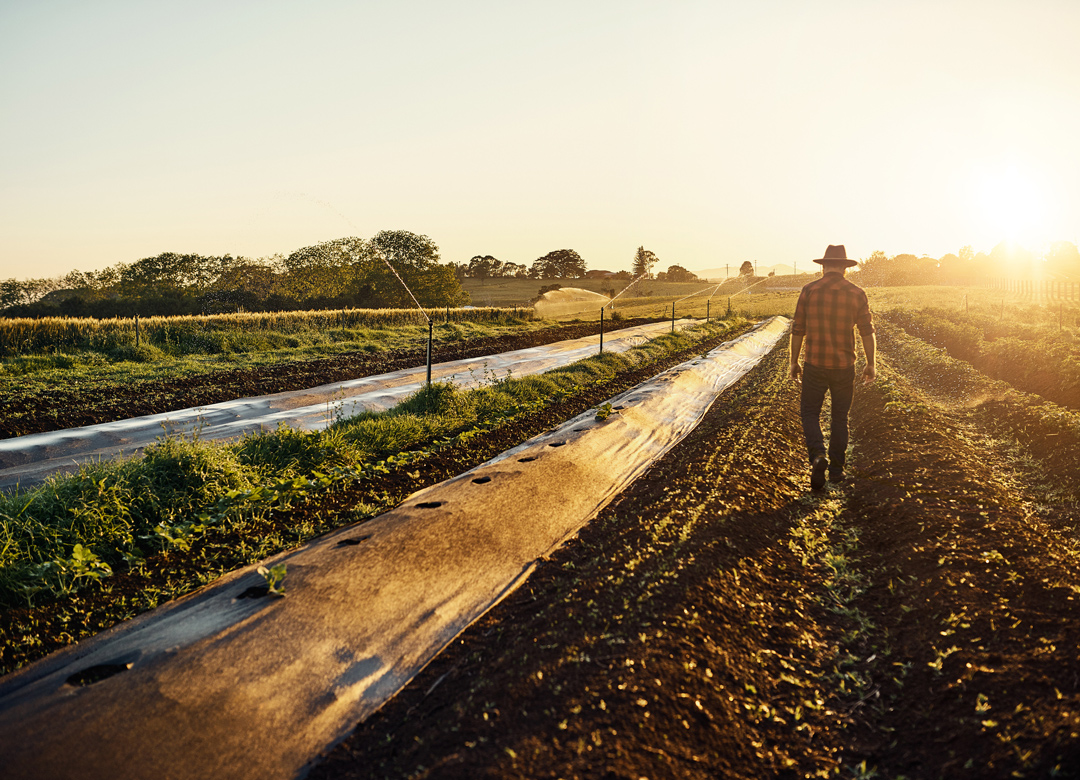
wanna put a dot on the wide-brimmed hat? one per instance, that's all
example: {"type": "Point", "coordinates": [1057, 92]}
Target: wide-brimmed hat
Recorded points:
{"type": "Point", "coordinates": [836, 254]}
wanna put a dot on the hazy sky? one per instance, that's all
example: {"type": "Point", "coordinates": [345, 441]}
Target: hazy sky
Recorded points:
{"type": "Point", "coordinates": [709, 132]}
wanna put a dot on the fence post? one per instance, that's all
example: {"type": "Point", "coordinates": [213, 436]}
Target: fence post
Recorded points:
{"type": "Point", "coordinates": [707, 310]}
{"type": "Point", "coordinates": [136, 330]}
{"type": "Point", "coordinates": [672, 316]}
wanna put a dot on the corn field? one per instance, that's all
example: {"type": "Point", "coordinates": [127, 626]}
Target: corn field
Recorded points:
{"type": "Point", "coordinates": [23, 336]}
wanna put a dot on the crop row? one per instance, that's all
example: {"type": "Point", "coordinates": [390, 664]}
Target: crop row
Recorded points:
{"type": "Point", "coordinates": [211, 333]}
{"type": "Point", "coordinates": [207, 508]}
{"type": "Point", "coordinates": [1036, 357]}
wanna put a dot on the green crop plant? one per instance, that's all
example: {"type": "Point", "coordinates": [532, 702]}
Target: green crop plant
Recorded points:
{"type": "Point", "coordinates": [275, 578]}
{"type": "Point", "coordinates": [182, 492]}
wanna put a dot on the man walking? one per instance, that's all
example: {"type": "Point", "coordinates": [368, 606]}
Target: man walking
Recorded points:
{"type": "Point", "coordinates": [828, 311]}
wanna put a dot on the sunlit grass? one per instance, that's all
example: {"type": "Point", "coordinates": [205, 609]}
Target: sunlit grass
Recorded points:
{"type": "Point", "coordinates": [76, 529]}
{"type": "Point", "coordinates": [228, 351]}
{"type": "Point", "coordinates": [224, 333]}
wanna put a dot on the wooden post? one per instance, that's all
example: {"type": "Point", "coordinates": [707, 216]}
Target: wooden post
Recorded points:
{"type": "Point", "coordinates": [707, 310]}
{"type": "Point", "coordinates": [136, 330]}
{"type": "Point", "coordinates": [673, 317]}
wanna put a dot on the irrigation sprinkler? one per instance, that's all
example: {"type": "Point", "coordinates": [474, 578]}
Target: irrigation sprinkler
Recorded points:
{"type": "Point", "coordinates": [431, 324]}
{"type": "Point", "coordinates": [601, 330]}
{"type": "Point", "coordinates": [136, 330]}
{"type": "Point", "coordinates": [611, 303]}
{"type": "Point", "coordinates": [672, 316]}
{"type": "Point", "coordinates": [430, 333]}
{"type": "Point", "coordinates": [707, 309]}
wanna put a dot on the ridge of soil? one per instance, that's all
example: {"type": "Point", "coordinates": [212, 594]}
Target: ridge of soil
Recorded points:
{"type": "Point", "coordinates": [720, 620]}
{"type": "Point", "coordinates": [50, 625]}
{"type": "Point", "coordinates": [58, 409]}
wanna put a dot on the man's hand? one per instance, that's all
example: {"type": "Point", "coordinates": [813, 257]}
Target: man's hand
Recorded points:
{"type": "Point", "coordinates": [869, 374]}
{"type": "Point", "coordinates": [795, 373]}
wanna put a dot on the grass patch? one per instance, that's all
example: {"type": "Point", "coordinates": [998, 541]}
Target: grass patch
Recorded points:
{"type": "Point", "coordinates": [210, 501]}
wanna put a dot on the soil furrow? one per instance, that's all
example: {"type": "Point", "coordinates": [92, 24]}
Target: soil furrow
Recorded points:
{"type": "Point", "coordinates": [974, 659]}
{"type": "Point", "coordinates": [678, 636]}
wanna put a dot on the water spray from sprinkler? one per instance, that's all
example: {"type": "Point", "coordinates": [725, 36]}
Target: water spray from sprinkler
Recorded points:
{"type": "Point", "coordinates": [430, 322]}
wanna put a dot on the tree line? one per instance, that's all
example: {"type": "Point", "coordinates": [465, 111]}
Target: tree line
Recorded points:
{"type": "Point", "coordinates": [346, 272]}
{"type": "Point", "coordinates": [1060, 260]}
{"type": "Point", "coordinates": [343, 273]}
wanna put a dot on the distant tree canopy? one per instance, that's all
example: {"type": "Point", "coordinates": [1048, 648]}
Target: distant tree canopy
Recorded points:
{"type": "Point", "coordinates": [644, 260]}
{"type": "Point", "coordinates": [345, 272]}
{"type": "Point", "coordinates": [746, 269]}
{"type": "Point", "coordinates": [560, 264]}
{"type": "Point", "coordinates": [485, 266]}
{"type": "Point", "coordinates": [676, 273]}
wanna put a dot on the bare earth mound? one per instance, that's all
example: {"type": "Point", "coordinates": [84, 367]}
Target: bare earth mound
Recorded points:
{"type": "Point", "coordinates": [720, 621]}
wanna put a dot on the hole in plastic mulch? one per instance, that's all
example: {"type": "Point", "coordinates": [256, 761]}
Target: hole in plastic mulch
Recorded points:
{"type": "Point", "coordinates": [481, 480]}
{"type": "Point", "coordinates": [429, 505]}
{"type": "Point", "coordinates": [255, 592]}
{"type": "Point", "coordinates": [526, 460]}
{"type": "Point", "coordinates": [557, 444]}
{"type": "Point", "coordinates": [93, 674]}
{"type": "Point", "coordinates": [353, 541]}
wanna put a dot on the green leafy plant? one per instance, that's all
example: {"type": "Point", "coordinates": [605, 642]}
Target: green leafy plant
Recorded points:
{"type": "Point", "coordinates": [275, 578]}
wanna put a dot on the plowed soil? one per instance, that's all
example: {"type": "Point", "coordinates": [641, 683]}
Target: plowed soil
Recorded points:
{"type": "Point", "coordinates": [72, 407]}
{"type": "Point", "coordinates": [721, 620]}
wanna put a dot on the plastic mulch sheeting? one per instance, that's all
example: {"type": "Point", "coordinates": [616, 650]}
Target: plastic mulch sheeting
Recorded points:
{"type": "Point", "coordinates": [228, 683]}
{"type": "Point", "coordinates": [28, 460]}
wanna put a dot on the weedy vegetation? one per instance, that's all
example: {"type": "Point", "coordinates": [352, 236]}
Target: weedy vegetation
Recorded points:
{"type": "Point", "coordinates": [210, 501]}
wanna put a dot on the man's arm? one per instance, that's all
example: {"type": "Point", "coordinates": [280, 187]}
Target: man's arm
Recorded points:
{"type": "Point", "coordinates": [795, 371]}
{"type": "Point", "coordinates": [869, 345]}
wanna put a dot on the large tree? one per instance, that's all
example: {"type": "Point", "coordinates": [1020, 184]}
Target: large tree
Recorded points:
{"type": "Point", "coordinates": [676, 273]}
{"type": "Point", "coordinates": [483, 266]}
{"type": "Point", "coordinates": [401, 262]}
{"type": "Point", "coordinates": [746, 269]}
{"type": "Point", "coordinates": [644, 260]}
{"type": "Point", "coordinates": [324, 270]}
{"type": "Point", "coordinates": [560, 264]}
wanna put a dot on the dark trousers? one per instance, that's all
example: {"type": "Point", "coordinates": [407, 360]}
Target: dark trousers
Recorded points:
{"type": "Point", "coordinates": [840, 384]}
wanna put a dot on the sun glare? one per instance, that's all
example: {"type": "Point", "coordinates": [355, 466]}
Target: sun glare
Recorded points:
{"type": "Point", "coordinates": [1010, 205]}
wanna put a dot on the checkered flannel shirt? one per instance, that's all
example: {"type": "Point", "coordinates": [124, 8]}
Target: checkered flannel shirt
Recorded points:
{"type": "Point", "coordinates": [827, 313]}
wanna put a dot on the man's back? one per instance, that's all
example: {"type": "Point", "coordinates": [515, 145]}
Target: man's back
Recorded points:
{"type": "Point", "coordinates": [826, 314]}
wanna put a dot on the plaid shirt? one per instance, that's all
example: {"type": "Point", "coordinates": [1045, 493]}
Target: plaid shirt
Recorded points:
{"type": "Point", "coordinates": [827, 311]}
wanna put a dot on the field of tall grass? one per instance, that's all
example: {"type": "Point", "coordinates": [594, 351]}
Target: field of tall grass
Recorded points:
{"type": "Point", "coordinates": [220, 332]}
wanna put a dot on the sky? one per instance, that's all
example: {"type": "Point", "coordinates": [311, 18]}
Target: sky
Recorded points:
{"type": "Point", "coordinates": [708, 132]}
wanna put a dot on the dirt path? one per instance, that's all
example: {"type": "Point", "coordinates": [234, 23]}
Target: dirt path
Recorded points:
{"type": "Point", "coordinates": [720, 621]}
{"type": "Point", "coordinates": [22, 413]}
